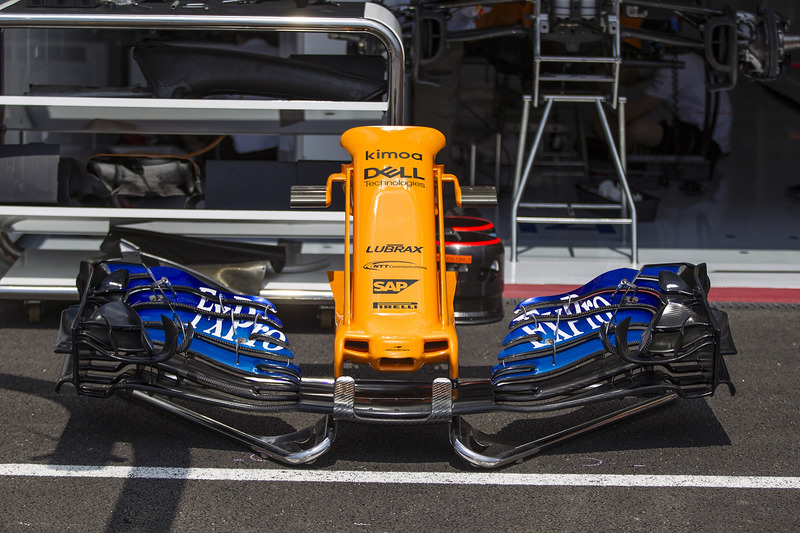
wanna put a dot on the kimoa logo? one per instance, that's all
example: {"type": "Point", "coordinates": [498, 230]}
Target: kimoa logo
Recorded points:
{"type": "Point", "coordinates": [383, 265]}
{"type": "Point", "coordinates": [379, 154]}
{"type": "Point", "coordinates": [391, 173]}
{"type": "Point", "coordinates": [394, 249]}
{"type": "Point", "coordinates": [391, 286]}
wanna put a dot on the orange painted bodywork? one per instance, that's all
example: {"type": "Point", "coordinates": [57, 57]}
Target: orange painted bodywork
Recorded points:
{"type": "Point", "coordinates": [394, 298]}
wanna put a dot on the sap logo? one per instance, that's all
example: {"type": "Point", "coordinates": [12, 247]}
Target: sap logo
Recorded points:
{"type": "Point", "coordinates": [391, 173]}
{"type": "Point", "coordinates": [394, 249]}
{"type": "Point", "coordinates": [383, 265]}
{"type": "Point", "coordinates": [394, 305]}
{"type": "Point", "coordinates": [391, 286]}
{"type": "Point", "coordinates": [377, 154]}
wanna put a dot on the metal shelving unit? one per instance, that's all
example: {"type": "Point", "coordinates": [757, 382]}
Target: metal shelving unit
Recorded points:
{"type": "Point", "coordinates": [43, 277]}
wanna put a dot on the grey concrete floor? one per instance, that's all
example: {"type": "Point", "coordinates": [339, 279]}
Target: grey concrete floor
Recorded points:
{"type": "Point", "coordinates": [750, 435]}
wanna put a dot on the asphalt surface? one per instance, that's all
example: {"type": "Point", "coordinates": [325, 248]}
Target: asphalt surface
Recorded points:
{"type": "Point", "coordinates": [752, 435]}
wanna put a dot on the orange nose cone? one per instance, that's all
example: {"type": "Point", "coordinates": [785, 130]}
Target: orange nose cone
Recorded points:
{"type": "Point", "coordinates": [397, 313]}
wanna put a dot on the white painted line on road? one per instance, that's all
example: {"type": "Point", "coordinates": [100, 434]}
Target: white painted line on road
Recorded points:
{"type": "Point", "coordinates": [400, 478]}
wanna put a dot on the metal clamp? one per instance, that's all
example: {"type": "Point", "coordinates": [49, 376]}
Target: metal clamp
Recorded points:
{"type": "Point", "coordinates": [308, 196]}
{"type": "Point", "coordinates": [440, 408]}
{"type": "Point", "coordinates": [478, 196]}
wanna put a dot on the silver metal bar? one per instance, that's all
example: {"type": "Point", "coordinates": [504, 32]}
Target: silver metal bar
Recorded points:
{"type": "Point", "coordinates": [623, 147]}
{"type": "Point", "coordinates": [791, 42]}
{"type": "Point", "coordinates": [488, 451]}
{"type": "Point", "coordinates": [578, 59]}
{"type": "Point", "coordinates": [585, 78]}
{"type": "Point", "coordinates": [299, 447]}
{"type": "Point", "coordinates": [574, 220]}
{"type": "Point", "coordinates": [582, 149]}
{"type": "Point", "coordinates": [525, 175]}
{"type": "Point", "coordinates": [473, 157]}
{"type": "Point", "coordinates": [308, 196]}
{"type": "Point", "coordinates": [616, 27]}
{"type": "Point", "coordinates": [41, 292]}
{"type": "Point", "coordinates": [622, 179]}
{"type": "Point", "coordinates": [498, 152]}
{"type": "Point", "coordinates": [568, 205]}
{"type": "Point", "coordinates": [523, 137]}
{"type": "Point", "coordinates": [539, 20]}
{"type": "Point", "coordinates": [478, 196]}
{"type": "Point", "coordinates": [473, 161]}
{"type": "Point", "coordinates": [574, 98]}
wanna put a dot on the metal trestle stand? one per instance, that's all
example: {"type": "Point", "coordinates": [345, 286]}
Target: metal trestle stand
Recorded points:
{"type": "Point", "coordinates": [568, 82]}
{"type": "Point", "coordinates": [625, 207]}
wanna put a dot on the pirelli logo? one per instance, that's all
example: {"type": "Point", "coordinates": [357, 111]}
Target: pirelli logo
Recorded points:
{"type": "Point", "coordinates": [395, 305]}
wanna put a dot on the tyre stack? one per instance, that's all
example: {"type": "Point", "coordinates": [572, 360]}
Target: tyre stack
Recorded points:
{"type": "Point", "coordinates": [473, 249]}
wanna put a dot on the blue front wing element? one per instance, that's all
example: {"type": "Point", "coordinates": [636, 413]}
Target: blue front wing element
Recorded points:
{"type": "Point", "coordinates": [235, 332]}
{"type": "Point", "coordinates": [654, 308]}
{"type": "Point", "coordinates": [627, 330]}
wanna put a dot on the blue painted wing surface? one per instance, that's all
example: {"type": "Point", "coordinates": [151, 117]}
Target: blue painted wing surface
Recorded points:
{"type": "Point", "coordinates": [236, 331]}
{"type": "Point", "coordinates": [654, 308]}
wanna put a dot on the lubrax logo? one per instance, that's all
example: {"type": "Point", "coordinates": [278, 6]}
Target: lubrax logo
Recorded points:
{"type": "Point", "coordinates": [394, 249]}
{"type": "Point", "coordinates": [391, 286]}
{"type": "Point", "coordinates": [394, 305]}
{"type": "Point", "coordinates": [378, 154]}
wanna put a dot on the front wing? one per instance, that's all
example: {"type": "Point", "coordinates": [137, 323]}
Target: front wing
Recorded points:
{"type": "Point", "coordinates": [172, 338]}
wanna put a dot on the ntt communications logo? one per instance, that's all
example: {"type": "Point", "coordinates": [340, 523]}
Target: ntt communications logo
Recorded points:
{"type": "Point", "coordinates": [386, 265]}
